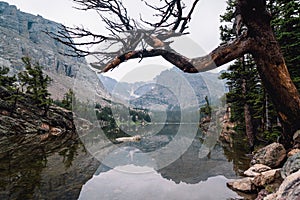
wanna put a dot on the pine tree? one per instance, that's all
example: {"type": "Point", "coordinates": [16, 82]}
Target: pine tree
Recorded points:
{"type": "Point", "coordinates": [36, 84]}
{"type": "Point", "coordinates": [239, 81]}
{"type": "Point", "coordinates": [68, 99]}
{"type": "Point", "coordinates": [286, 23]}
{"type": "Point", "coordinates": [205, 111]}
{"type": "Point", "coordinates": [244, 84]}
{"type": "Point", "coordinates": [6, 80]}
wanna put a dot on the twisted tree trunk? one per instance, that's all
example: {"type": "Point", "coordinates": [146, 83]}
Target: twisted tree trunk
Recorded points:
{"type": "Point", "coordinates": [271, 67]}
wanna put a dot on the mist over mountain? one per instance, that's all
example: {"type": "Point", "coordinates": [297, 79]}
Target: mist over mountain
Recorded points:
{"type": "Point", "coordinates": [170, 89]}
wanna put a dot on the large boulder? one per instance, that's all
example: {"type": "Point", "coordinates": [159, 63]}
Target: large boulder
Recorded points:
{"type": "Point", "coordinates": [291, 165]}
{"type": "Point", "coordinates": [271, 155]}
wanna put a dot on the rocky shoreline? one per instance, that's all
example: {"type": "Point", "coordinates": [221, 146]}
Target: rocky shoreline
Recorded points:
{"type": "Point", "coordinates": [274, 174]}
{"type": "Point", "coordinates": [29, 120]}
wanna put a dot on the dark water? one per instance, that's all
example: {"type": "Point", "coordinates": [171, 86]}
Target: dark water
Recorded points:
{"type": "Point", "coordinates": [170, 164]}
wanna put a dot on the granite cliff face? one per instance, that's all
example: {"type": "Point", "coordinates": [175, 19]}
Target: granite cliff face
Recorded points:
{"type": "Point", "coordinates": [23, 34]}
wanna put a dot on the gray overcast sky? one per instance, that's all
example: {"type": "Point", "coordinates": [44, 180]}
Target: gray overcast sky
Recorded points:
{"type": "Point", "coordinates": [204, 27]}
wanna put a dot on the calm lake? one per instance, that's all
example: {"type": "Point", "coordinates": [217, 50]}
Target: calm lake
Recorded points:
{"type": "Point", "coordinates": [170, 164]}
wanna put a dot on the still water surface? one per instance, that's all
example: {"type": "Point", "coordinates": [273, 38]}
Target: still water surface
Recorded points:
{"type": "Point", "coordinates": [71, 172]}
{"type": "Point", "coordinates": [197, 173]}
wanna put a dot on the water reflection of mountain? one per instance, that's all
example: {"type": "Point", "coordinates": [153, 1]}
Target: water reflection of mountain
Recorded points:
{"type": "Point", "coordinates": [188, 168]}
{"type": "Point", "coordinates": [120, 184]}
{"type": "Point", "coordinates": [35, 172]}
{"type": "Point", "coordinates": [53, 171]}
{"type": "Point", "coordinates": [189, 177]}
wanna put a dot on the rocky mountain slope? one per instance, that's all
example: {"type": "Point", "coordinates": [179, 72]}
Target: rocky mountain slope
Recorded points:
{"type": "Point", "coordinates": [168, 89]}
{"type": "Point", "coordinates": [23, 34]}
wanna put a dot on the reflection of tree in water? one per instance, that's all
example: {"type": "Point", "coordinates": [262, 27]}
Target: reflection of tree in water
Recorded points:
{"type": "Point", "coordinates": [191, 169]}
{"type": "Point", "coordinates": [33, 170]}
{"type": "Point", "coordinates": [69, 153]}
{"type": "Point", "coordinates": [21, 166]}
{"type": "Point", "coordinates": [237, 153]}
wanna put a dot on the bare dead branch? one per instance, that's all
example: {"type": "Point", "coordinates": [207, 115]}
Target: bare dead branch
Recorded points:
{"type": "Point", "coordinates": [224, 54]}
{"type": "Point", "coordinates": [171, 15]}
{"type": "Point", "coordinates": [188, 18]}
{"type": "Point", "coordinates": [126, 34]}
{"type": "Point", "coordinates": [221, 55]}
{"type": "Point", "coordinates": [118, 16]}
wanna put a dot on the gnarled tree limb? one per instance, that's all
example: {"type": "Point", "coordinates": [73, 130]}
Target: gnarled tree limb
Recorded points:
{"type": "Point", "coordinates": [221, 55]}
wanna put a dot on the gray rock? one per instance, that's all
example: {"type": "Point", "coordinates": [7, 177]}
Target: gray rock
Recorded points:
{"type": "Point", "coordinates": [243, 185]}
{"type": "Point", "coordinates": [266, 177]}
{"type": "Point", "coordinates": [271, 155]}
{"type": "Point", "coordinates": [23, 34]}
{"type": "Point", "coordinates": [270, 197]}
{"type": "Point", "coordinates": [289, 189]}
{"type": "Point", "coordinates": [263, 193]}
{"type": "Point", "coordinates": [291, 165]}
{"type": "Point", "coordinates": [256, 170]}
{"type": "Point", "coordinates": [227, 131]}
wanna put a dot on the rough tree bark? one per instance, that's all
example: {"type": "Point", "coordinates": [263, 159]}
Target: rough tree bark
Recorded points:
{"type": "Point", "coordinates": [258, 40]}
